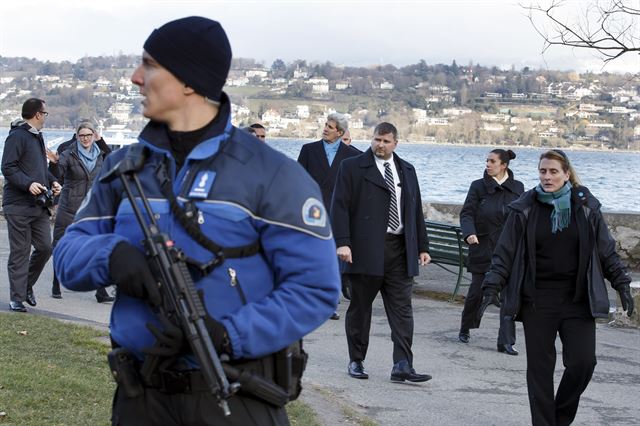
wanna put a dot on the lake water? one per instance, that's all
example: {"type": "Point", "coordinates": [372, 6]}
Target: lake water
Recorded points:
{"type": "Point", "coordinates": [445, 172]}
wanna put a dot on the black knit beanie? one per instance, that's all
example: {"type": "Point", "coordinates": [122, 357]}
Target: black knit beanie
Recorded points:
{"type": "Point", "coordinates": [196, 50]}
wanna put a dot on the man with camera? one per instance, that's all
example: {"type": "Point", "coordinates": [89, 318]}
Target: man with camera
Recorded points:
{"type": "Point", "coordinates": [28, 194]}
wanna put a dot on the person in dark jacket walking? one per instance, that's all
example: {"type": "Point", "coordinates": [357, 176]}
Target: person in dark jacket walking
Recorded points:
{"type": "Point", "coordinates": [377, 218]}
{"type": "Point", "coordinates": [77, 167]}
{"type": "Point", "coordinates": [25, 202]}
{"type": "Point", "coordinates": [551, 261]}
{"type": "Point", "coordinates": [321, 159]}
{"type": "Point", "coordinates": [481, 219]}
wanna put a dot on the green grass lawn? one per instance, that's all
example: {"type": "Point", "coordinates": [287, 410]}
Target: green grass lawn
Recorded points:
{"type": "Point", "coordinates": [55, 373]}
{"type": "Point", "coordinates": [52, 373]}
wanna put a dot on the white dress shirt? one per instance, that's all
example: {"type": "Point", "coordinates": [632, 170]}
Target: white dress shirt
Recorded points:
{"type": "Point", "coordinates": [396, 180]}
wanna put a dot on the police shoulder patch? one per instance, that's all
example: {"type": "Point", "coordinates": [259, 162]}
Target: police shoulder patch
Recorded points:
{"type": "Point", "coordinates": [314, 213]}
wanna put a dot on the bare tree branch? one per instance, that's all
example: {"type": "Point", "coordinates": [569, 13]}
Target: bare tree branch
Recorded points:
{"type": "Point", "coordinates": [609, 27]}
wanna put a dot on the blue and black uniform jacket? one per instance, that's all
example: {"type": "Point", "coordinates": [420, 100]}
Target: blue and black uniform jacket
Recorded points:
{"type": "Point", "coordinates": [244, 192]}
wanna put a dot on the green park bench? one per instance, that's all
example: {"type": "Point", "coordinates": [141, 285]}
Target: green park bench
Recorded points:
{"type": "Point", "coordinates": [446, 247]}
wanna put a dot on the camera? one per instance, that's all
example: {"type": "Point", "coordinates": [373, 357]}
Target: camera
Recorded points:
{"type": "Point", "coordinates": [45, 198]}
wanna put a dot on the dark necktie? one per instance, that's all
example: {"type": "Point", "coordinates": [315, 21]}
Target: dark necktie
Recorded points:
{"type": "Point", "coordinates": [394, 218]}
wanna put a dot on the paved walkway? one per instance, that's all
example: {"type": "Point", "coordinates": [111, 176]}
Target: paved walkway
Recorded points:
{"type": "Point", "coordinates": [473, 384]}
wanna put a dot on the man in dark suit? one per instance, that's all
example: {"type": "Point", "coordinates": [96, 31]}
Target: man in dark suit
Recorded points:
{"type": "Point", "coordinates": [322, 159]}
{"type": "Point", "coordinates": [379, 230]}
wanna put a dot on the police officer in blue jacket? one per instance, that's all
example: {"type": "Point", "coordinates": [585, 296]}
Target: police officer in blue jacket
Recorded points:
{"type": "Point", "coordinates": [241, 193]}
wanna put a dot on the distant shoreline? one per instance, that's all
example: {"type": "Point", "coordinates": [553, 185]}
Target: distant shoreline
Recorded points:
{"type": "Point", "coordinates": [422, 142]}
{"type": "Point", "coordinates": [471, 145]}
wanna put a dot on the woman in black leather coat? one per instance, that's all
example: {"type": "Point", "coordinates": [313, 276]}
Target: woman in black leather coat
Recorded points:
{"type": "Point", "coordinates": [550, 263]}
{"type": "Point", "coordinates": [481, 219]}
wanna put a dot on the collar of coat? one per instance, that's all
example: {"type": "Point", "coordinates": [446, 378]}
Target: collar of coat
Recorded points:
{"type": "Point", "coordinates": [155, 133]}
{"type": "Point", "coordinates": [580, 196]}
{"type": "Point", "coordinates": [23, 124]}
{"type": "Point", "coordinates": [367, 159]}
{"type": "Point", "coordinates": [492, 185]}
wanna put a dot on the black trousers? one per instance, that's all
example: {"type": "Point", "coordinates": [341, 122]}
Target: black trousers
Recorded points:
{"type": "Point", "coordinates": [58, 232]}
{"type": "Point", "coordinates": [469, 320]}
{"type": "Point", "coordinates": [555, 313]}
{"type": "Point", "coordinates": [395, 287]}
{"type": "Point", "coordinates": [24, 267]}
{"type": "Point", "coordinates": [191, 409]}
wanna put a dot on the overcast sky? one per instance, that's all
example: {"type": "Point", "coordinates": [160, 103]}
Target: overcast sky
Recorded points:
{"type": "Point", "coordinates": [349, 32]}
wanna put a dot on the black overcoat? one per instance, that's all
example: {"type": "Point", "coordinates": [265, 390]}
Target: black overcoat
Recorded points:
{"type": "Point", "coordinates": [360, 213]}
{"type": "Point", "coordinates": [314, 160]}
{"type": "Point", "coordinates": [483, 214]}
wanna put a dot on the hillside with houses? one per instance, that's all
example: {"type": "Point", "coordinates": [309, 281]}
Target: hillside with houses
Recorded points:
{"type": "Point", "coordinates": [437, 103]}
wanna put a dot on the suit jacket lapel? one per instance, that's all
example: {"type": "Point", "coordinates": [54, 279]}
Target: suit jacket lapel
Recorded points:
{"type": "Point", "coordinates": [371, 172]}
{"type": "Point", "coordinates": [404, 183]}
{"type": "Point", "coordinates": [321, 155]}
{"type": "Point", "coordinates": [340, 155]}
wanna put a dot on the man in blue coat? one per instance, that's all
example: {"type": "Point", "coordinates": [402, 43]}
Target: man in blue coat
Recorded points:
{"type": "Point", "coordinates": [380, 232]}
{"type": "Point", "coordinates": [240, 193]}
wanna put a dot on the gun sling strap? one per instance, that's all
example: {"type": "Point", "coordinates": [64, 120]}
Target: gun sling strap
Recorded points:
{"type": "Point", "coordinates": [188, 218]}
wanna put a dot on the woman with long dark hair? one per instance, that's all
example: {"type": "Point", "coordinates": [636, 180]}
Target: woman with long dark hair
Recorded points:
{"type": "Point", "coordinates": [551, 262]}
{"type": "Point", "coordinates": [481, 219]}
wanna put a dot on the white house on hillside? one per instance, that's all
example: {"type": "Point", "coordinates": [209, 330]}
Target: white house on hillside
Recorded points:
{"type": "Point", "coordinates": [302, 111]}
{"type": "Point", "coordinates": [256, 73]}
{"type": "Point", "coordinates": [271, 116]}
{"type": "Point", "coordinates": [120, 111]}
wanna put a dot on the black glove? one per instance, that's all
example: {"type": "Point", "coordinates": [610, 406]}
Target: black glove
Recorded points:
{"type": "Point", "coordinates": [169, 342]}
{"type": "Point", "coordinates": [346, 287]}
{"type": "Point", "coordinates": [489, 298]}
{"type": "Point", "coordinates": [130, 272]}
{"type": "Point", "coordinates": [219, 335]}
{"type": "Point", "coordinates": [625, 298]}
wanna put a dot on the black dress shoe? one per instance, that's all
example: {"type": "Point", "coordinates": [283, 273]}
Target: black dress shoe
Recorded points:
{"type": "Point", "coordinates": [31, 298]}
{"type": "Point", "coordinates": [55, 291]}
{"type": "Point", "coordinates": [403, 371]}
{"type": "Point", "coordinates": [17, 307]}
{"type": "Point", "coordinates": [104, 297]}
{"type": "Point", "coordinates": [507, 349]}
{"type": "Point", "coordinates": [335, 316]}
{"type": "Point", "coordinates": [464, 336]}
{"type": "Point", "coordinates": [356, 370]}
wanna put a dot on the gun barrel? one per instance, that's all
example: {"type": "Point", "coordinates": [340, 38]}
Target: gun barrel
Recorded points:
{"type": "Point", "coordinates": [180, 296]}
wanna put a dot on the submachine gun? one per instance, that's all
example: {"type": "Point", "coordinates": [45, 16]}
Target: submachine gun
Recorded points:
{"type": "Point", "coordinates": [181, 300]}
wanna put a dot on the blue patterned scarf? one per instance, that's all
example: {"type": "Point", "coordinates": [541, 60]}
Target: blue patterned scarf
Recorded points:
{"type": "Point", "coordinates": [561, 202]}
{"type": "Point", "coordinates": [88, 156]}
